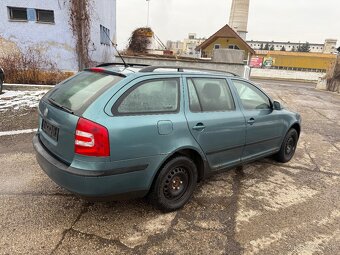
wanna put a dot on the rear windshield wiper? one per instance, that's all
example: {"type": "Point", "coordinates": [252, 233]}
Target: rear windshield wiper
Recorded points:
{"type": "Point", "coordinates": [52, 101]}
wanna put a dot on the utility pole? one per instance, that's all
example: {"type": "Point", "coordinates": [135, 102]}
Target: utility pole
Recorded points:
{"type": "Point", "coordinates": [148, 17]}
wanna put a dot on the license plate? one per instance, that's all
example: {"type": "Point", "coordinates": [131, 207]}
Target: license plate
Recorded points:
{"type": "Point", "coordinates": [50, 130]}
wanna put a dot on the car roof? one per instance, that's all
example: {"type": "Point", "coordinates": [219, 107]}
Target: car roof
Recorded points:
{"type": "Point", "coordinates": [130, 69]}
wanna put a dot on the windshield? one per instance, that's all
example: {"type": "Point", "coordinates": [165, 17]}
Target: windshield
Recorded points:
{"type": "Point", "coordinates": [82, 89]}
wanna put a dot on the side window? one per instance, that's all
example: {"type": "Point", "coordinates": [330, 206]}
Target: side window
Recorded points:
{"type": "Point", "coordinates": [251, 97]}
{"type": "Point", "coordinates": [154, 96]}
{"type": "Point", "coordinates": [209, 95]}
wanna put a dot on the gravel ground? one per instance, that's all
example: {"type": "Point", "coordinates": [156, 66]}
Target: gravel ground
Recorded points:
{"type": "Point", "coordinates": [261, 208]}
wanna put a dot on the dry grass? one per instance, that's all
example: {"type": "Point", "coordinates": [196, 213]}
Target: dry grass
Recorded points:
{"type": "Point", "coordinates": [31, 67]}
{"type": "Point", "coordinates": [139, 40]}
{"type": "Point", "coordinates": [333, 77]}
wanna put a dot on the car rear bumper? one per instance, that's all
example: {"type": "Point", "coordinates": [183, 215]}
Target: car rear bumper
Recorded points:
{"type": "Point", "coordinates": [115, 183]}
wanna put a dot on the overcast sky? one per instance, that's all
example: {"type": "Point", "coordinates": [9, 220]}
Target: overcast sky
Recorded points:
{"type": "Point", "coordinates": [284, 20]}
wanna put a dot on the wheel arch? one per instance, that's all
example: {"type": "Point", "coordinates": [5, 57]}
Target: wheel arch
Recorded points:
{"type": "Point", "coordinates": [190, 152]}
{"type": "Point", "coordinates": [297, 127]}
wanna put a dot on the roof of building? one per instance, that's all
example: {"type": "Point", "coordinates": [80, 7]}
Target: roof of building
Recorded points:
{"type": "Point", "coordinates": [225, 32]}
{"type": "Point", "coordinates": [291, 43]}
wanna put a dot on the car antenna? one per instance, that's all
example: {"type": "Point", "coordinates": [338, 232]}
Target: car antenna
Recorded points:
{"type": "Point", "coordinates": [114, 46]}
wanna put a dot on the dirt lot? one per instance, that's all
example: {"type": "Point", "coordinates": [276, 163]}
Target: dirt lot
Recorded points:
{"type": "Point", "coordinates": [262, 208]}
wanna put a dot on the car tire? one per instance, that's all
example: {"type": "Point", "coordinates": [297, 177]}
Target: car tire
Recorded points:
{"type": "Point", "coordinates": [1, 85]}
{"type": "Point", "coordinates": [174, 185]}
{"type": "Point", "coordinates": [288, 146]}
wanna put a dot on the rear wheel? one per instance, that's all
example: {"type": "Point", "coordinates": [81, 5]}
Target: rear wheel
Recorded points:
{"type": "Point", "coordinates": [175, 184]}
{"type": "Point", "coordinates": [288, 146]}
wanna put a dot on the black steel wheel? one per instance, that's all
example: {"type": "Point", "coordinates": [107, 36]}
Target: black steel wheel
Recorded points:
{"type": "Point", "coordinates": [288, 146]}
{"type": "Point", "coordinates": [175, 184]}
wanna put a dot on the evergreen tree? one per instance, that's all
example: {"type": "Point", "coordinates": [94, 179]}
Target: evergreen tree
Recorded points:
{"type": "Point", "coordinates": [305, 47]}
{"type": "Point", "coordinates": [283, 48]}
{"type": "Point", "coordinates": [272, 47]}
{"type": "Point", "coordinates": [261, 47]}
{"type": "Point", "coordinates": [298, 48]}
{"type": "Point", "coordinates": [266, 47]}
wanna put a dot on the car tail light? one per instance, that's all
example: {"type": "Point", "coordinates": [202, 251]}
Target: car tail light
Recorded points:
{"type": "Point", "coordinates": [97, 69]}
{"type": "Point", "coordinates": [91, 139]}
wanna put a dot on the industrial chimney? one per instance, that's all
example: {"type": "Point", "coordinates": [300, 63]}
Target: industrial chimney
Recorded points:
{"type": "Point", "coordinates": [239, 17]}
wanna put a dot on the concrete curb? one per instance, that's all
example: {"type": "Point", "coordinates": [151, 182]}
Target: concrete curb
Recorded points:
{"type": "Point", "coordinates": [9, 86]}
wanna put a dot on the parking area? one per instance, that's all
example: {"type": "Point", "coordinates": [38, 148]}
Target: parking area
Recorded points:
{"type": "Point", "coordinates": [260, 208]}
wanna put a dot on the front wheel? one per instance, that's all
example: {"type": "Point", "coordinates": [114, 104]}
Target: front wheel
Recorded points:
{"type": "Point", "coordinates": [288, 146]}
{"type": "Point", "coordinates": [1, 84]}
{"type": "Point", "coordinates": [175, 184]}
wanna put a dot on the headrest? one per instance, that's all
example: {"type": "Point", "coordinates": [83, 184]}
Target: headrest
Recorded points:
{"type": "Point", "coordinates": [212, 90]}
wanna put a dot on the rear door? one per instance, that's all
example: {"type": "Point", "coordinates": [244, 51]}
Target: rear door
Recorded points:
{"type": "Point", "coordinates": [146, 118]}
{"type": "Point", "coordinates": [60, 109]}
{"type": "Point", "coordinates": [214, 120]}
{"type": "Point", "coordinates": [264, 126]}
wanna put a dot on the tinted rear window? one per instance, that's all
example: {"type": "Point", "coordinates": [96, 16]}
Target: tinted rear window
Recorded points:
{"type": "Point", "coordinates": [82, 89]}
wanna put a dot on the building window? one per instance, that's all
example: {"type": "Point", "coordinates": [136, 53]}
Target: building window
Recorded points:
{"type": "Point", "coordinates": [104, 35]}
{"type": "Point", "coordinates": [233, 47]}
{"type": "Point", "coordinates": [45, 16]}
{"type": "Point", "coordinates": [19, 14]}
{"type": "Point", "coordinates": [217, 46]}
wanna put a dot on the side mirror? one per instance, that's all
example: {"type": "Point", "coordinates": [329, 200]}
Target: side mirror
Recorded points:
{"type": "Point", "coordinates": [277, 106]}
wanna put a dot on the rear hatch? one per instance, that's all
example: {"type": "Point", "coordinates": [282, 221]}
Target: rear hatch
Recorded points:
{"type": "Point", "coordinates": [61, 108]}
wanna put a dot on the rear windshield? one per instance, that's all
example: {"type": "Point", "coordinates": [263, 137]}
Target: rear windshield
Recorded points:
{"type": "Point", "coordinates": [82, 89]}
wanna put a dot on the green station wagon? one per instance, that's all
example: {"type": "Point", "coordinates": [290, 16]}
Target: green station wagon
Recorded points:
{"type": "Point", "coordinates": [131, 131]}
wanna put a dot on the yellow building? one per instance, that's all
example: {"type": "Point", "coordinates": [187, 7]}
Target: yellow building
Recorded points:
{"type": "Point", "coordinates": [298, 60]}
{"type": "Point", "coordinates": [225, 38]}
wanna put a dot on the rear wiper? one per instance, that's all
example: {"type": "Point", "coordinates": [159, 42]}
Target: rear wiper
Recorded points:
{"type": "Point", "coordinates": [52, 101]}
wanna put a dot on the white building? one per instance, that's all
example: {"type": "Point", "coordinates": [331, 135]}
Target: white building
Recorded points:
{"type": "Point", "coordinates": [328, 47]}
{"type": "Point", "coordinates": [175, 46]}
{"type": "Point", "coordinates": [187, 47]}
{"type": "Point", "coordinates": [45, 25]}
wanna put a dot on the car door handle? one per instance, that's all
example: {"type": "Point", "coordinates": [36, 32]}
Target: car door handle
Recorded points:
{"type": "Point", "coordinates": [251, 121]}
{"type": "Point", "coordinates": [199, 127]}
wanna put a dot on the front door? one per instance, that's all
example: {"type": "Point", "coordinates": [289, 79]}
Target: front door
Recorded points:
{"type": "Point", "coordinates": [215, 121]}
{"type": "Point", "coordinates": [264, 127]}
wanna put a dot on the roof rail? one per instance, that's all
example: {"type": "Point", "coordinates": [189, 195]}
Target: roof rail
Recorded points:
{"type": "Point", "coordinates": [181, 69]}
{"type": "Point", "coordinates": [121, 64]}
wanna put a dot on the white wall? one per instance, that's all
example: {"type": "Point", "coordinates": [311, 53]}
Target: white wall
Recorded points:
{"type": "Point", "coordinates": [104, 13]}
{"type": "Point", "coordinates": [285, 74]}
{"type": "Point", "coordinates": [54, 40]}
{"type": "Point", "coordinates": [316, 48]}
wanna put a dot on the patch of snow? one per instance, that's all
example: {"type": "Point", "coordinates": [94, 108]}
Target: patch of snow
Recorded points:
{"type": "Point", "coordinates": [15, 100]}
